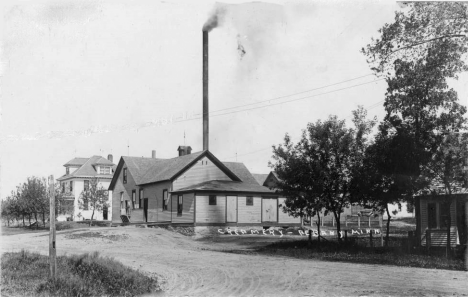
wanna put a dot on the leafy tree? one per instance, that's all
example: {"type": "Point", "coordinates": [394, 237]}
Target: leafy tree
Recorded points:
{"type": "Point", "coordinates": [95, 197]}
{"type": "Point", "coordinates": [418, 30]}
{"type": "Point", "coordinates": [318, 171]}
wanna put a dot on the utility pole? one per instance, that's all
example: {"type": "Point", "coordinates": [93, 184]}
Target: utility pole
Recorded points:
{"type": "Point", "coordinates": [52, 247]}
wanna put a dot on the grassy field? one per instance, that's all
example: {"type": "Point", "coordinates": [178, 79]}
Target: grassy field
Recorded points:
{"type": "Point", "coordinates": [356, 252]}
{"type": "Point", "coordinates": [26, 274]}
{"type": "Point", "coordinates": [13, 230]}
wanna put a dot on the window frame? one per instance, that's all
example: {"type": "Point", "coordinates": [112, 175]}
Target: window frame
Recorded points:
{"type": "Point", "coordinates": [86, 185]}
{"type": "Point", "coordinates": [165, 200]}
{"type": "Point", "coordinates": [71, 186]}
{"type": "Point", "coordinates": [247, 201]}
{"type": "Point", "coordinates": [140, 198]}
{"type": "Point", "coordinates": [133, 198]}
{"type": "Point", "coordinates": [67, 171]}
{"type": "Point", "coordinates": [121, 200]}
{"type": "Point", "coordinates": [124, 176]}
{"type": "Point", "coordinates": [212, 200]}
{"type": "Point", "coordinates": [180, 205]}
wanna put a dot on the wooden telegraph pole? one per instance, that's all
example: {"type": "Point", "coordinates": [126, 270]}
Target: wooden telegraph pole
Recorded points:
{"type": "Point", "coordinates": [52, 247]}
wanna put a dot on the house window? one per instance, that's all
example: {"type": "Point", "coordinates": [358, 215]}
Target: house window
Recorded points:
{"type": "Point", "coordinates": [105, 170]}
{"type": "Point", "coordinates": [71, 186]}
{"type": "Point", "coordinates": [133, 198]}
{"type": "Point", "coordinates": [86, 185]}
{"type": "Point", "coordinates": [180, 205]}
{"type": "Point", "coordinates": [121, 201]}
{"type": "Point", "coordinates": [85, 204]}
{"type": "Point", "coordinates": [212, 200]}
{"type": "Point", "coordinates": [165, 200]}
{"type": "Point", "coordinates": [68, 170]}
{"type": "Point", "coordinates": [249, 200]}
{"type": "Point", "coordinates": [432, 215]}
{"type": "Point", "coordinates": [63, 187]}
{"type": "Point", "coordinates": [125, 175]}
{"type": "Point", "coordinates": [140, 197]}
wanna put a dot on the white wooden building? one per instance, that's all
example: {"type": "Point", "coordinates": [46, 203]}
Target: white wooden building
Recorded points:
{"type": "Point", "coordinates": [195, 189]}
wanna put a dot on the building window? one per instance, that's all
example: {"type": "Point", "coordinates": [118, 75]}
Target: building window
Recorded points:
{"type": "Point", "coordinates": [125, 175]}
{"type": "Point", "coordinates": [212, 200]}
{"type": "Point", "coordinates": [68, 170]}
{"type": "Point", "coordinates": [105, 170]}
{"type": "Point", "coordinates": [249, 200]}
{"type": "Point", "coordinates": [180, 205]}
{"type": "Point", "coordinates": [133, 198]}
{"type": "Point", "coordinates": [165, 200]}
{"type": "Point", "coordinates": [121, 201]}
{"type": "Point", "coordinates": [86, 185]}
{"type": "Point", "coordinates": [140, 197]}
{"type": "Point", "coordinates": [63, 187]}
{"type": "Point", "coordinates": [71, 186]}
{"type": "Point", "coordinates": [85, 204]}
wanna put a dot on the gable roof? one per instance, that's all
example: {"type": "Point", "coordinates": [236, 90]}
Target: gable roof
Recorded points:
{"type": "Point", "coordinates": [151, 170]}
{"type": "Point", "coordinates": [87, 169]}
{"type": "Point", "coordinates": [103, 161]}
{"type": "Point", "coordinates": [226, 186]}
{"type": "Point", "coordinates": [241, 171]}
{"type": "Point", "coordinates": [260, 178]}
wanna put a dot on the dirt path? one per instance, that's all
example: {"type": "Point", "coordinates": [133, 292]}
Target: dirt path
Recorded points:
{"type": "Point", "coordinates": [200, 268]}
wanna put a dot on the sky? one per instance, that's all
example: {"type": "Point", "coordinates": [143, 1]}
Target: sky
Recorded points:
{"type": "Point", "coordinates": [83, 78]}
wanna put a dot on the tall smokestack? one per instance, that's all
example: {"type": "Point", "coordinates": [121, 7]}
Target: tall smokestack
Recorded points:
{"type": "Point", "coordinates": [205, 91]}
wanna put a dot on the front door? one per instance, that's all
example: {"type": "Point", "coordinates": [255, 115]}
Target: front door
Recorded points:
{"type": "Point", "coordinates": [231, 209]}
{"type": "Point", "coordinates": [270, 210]}
{"type": "Point", "coordinates": [104, 213]}
{"type": "Point", "coordinates": [145, 208]}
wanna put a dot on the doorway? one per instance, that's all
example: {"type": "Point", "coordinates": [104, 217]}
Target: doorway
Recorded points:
{"type": "Point", "coordinates": [231, 209]}
{"type": "Point", "coordinates": [269, 210]}
{"type": "Point", "coordinates": [104, 213]}
{"type": "Point", "coordinates": [145, 208]}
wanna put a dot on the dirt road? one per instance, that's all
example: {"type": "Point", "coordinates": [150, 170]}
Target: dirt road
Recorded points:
{"type": "Point", "coordinates": [191, 267]}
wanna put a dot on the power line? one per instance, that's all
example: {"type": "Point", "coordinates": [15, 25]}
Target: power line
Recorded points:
{"type": "Point", "coordinates": [285, 96]}
{"type": "Point", "coordinates": [297, 99]}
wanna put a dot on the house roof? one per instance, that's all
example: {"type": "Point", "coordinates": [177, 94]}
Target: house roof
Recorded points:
{"type": "Point", "coordinates": [226, 186]}
{"type": "Point", "coordinates": [260, 178]}
{"type": "Point", "coordinates": [103, 161]}
{"type": "Point", "coordinates": [241, 171]}
{"type": "Point", "coordinates": [76, 162]}
{"type": "Point", "coordinates": [151, 170]}
{"type": "Point", "coordinates": [87, 169]}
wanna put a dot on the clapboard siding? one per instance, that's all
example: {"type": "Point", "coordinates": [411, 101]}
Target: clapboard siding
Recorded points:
{"type": "Point", "coordinates": [206, 213]}
{"type": "Point", "coordinates": [284, 217]}
{"type": "Point", "coordinates": [249, 213]}
{"type": "Point", "coordinates": [116, 210]}
{"type": "Point", "coordinates": [154, 193]}
{"type": "Point", "coordinates": [424, 220]}
{"type": "Point", "coordinates": [187, 209]}
{"type": "Point", "coordinates": [203, 170]}
{"type": "Point", "coordinates": [137, 215]}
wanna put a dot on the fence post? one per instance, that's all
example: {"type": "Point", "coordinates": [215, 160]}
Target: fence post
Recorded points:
{"type": "Point", "coordinates": [346, 235]}
{"type": "Point", "coordinates": [371, 241]}
{"type": "Point", "coordinates": [428, 241]}
{"type": "Point", "coordinates": [359, 222]}
{"type": "Point", "coordinates": [52, 247]}
{"type": "Point", "coordinates": [369, 222]}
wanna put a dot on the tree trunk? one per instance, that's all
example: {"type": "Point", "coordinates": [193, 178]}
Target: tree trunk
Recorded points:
{"type": "Point", "coordinates": [319, 222]}
{"type": "Point", "coordinates": [92, 215]}
{"type": "Point", "coordinates": [387, 236]}
{"type": "Point", "coordinates": [338, 226]}
{"type": "Point", "coordinates": [23, 220]}
{"type": "Point", "coordinates": [29, 219]}
{"type": "Point", "coordinates": [43, 218]}
{"type": "Point", "coordinates": [35, 217]}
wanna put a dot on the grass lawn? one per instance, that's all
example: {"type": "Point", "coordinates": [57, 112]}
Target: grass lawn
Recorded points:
{"type": "Point", "coordinates": [13, 230]}
{"type": "Point", "coordinates": [353, 252]}
{"type": "Point", "coordinates": [26, 274]}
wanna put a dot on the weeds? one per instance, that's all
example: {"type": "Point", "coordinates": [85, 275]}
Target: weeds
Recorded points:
{"type": "Point", "coordinates": [26, 274]}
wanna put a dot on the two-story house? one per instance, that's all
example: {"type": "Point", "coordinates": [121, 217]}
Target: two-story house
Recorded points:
{"type": "Point", "coordinates": [78, 173]}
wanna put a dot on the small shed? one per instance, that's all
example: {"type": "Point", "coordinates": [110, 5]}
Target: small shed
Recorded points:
{"type": "Point", "coordinates": [437, 214]}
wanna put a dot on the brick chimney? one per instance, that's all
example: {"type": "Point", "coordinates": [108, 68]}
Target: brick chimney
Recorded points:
{"type": "Point", "coordinates": [110, 158]}
{"type": "Point", "coordinates": [184, 150]}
